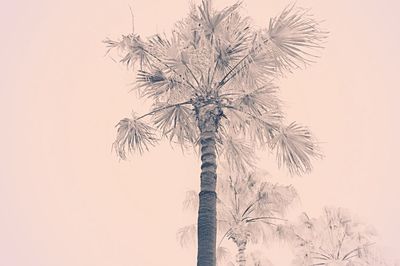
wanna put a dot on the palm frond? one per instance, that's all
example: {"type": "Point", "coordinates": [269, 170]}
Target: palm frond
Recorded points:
{"type": "Point", "coordinates": [177, 122]}
{"type": "Point", "coordinates": [238, 153]}
{"type": "Point", "coordinates": [187, 235]}
{"type": "Point", "coordinates": [232, 44]}
{"type": "Point", "coordinates": [133, 135]}
{"type": "Point", "coordinates": [160, 87]}
{"type": "Point", "coordinates": [191, 201]}
{"type": "Point", "coordinates": [211, 20]}
{"type": "Point", "coordinates": [280, 197]}
{"type": "Point", "coordinates": [223, 254]}
{"type": "Point", "coordinates": [159, 45]}
{"type": "Point", "coordinates": [293, 37]}
{"type": "Point", "coordinates": [133, 48]}
{"type": "Point", "coordinates": [256, 67]}
{"type": "Point", "coordinates": [260, 128]}
{"type": "Point", "coordinates": [258, 101]}
{"type": "Point", "coordinates": [295, 146]}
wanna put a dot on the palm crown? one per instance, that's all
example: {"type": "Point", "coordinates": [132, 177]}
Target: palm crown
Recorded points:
{"type": "Point", "coordinates": [214, 60]}
{"type": "Point", "coordinates": [249, 210]}
{"type": "Point", "coordinates": [335, 238]}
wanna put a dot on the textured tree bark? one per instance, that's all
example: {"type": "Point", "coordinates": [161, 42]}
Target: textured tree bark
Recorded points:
{"type": "Point", "coordinates": [241, 256]}
{"type": "Point", "coordinates": [207, 221]}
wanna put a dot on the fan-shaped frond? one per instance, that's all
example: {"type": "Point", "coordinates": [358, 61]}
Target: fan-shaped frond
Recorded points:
{"type": "Point", "coordinates": [292, 38]}
{"type": "Point", "coordinates": [238, 153]}
{"type": "Point", "coordinates": [158, 86]}
{"type": "Point", "coordinates": [259, 101]}
{"type": "Point", "coordinates": [232, 45]}
{"type": "Point", "coordinates": [280, 197]}
{"type": "Point", "coordinates": [261, 129]}
{"type": "Point", "coordinates": [257, 68]}
{"type": "Point", "coordinates": [133, 48]}
{"type": "Point", "coordinates": [295, 146]}
{"type": "Point", "coordinates": [258, 128]}
{"type": "Point", "coordinates": [177, 122]}
{"type": "Point", "coordinates": [211, 20]}
{"type": "Point", "coordinates": [191, 200]}
{"type": "Point", "coordinates": [133, 135]}
{"type": "Point", "coordinates": [187, 235]}
{"type": "Point", "coordinates": [223, 254]}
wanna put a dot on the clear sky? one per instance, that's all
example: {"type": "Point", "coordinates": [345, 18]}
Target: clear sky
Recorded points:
{"type": "Point", "coordinates": [65, 199]}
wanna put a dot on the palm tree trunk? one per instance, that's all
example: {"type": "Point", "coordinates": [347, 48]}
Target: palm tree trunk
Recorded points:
{"type": "Point", "coordinates": [241, 256]}
{"type": "Point", "coordinates": [207, 221]}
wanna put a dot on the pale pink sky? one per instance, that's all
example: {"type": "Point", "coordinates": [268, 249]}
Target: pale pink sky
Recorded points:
{"type": "Point", "coordinates": [66, 200]}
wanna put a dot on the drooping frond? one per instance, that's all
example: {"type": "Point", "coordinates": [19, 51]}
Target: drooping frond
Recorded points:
{"type": "Point", "coordinates": [133, 135]}
{"type": "Point", "coordinates": [191, 201]}
{"type": "Point", "coordinates": [294, 147]}
{"type": "Point", "coordinates": [133, 49]}
{"type": "Point", "coordinates": [279, 197]}
{"type": "Point", "coordinates": [259, 128]}
{"type": "Point", "coordinates": [237, 152]}
{"type": "Point", "coordinates": [160, 87]}
{"type": "Point", "coordinates": [187, 235]}
{"type": "Point", "coordinates": [258, 101]}
{"type": "Point", "coordinates": [177, 122]}
{"type": "Point", "coordinates": [293, 37]}
{"type": "Point", "coordinates": [223, 254]}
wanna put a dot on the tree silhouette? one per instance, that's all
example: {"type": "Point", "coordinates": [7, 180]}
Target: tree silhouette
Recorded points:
{"type": "Point", "coordinates": [334, 239]}
{"type": "Point", "coordinates": [212, 85]}
{"type": "Point", "coordinates": [248, 210]}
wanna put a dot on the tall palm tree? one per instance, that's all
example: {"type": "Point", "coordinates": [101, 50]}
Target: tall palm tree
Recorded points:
{"type": "Point", "coordinates": [248, 210]}
{"type": "Point", "coordinates": [212, 85]}
{"type": "Point", "coordinates": [334, 239]}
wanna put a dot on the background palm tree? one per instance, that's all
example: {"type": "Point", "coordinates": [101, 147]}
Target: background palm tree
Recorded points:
{"type": "Point", "coordinates": [335, 239]}
{"type": "Point", "coordinates": [212, 85]}
{"type": "Point", "coordinates": [248, 210]}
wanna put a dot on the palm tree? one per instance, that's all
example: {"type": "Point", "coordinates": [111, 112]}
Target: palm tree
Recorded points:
{"type": "Point", "coordinates": [212, 86]}
{"type": "Point", "coordinates": [334, 239]}
{"type": "Point", "coordinates": [248, 210]}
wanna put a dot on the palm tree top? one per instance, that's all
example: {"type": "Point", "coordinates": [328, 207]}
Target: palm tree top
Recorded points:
{"type": "Point", "coordinates": [335, 238]}
{"type": "Point", "coordinates": [216, 60]}
{"type": "Point", "coordinates": [249, 208]}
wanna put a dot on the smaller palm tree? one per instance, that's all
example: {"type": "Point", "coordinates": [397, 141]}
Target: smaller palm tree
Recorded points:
{"type": "Point", "coordinates": [334, 239]}
{"type": "Point", "coordinates": [248, 210]}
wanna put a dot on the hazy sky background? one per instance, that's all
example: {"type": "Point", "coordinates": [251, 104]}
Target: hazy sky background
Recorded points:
{"type": "Point", "coordinates": [65, 199]}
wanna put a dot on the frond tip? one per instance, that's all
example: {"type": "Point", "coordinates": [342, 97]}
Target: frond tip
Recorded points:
{"type": "Point", "coordinates": [295, 145]}
{"type": "Point", "coordinates": [133, 135]}
{"type": "Point", "coordinates": [187, 235]}
{"type": "Point", "coordinates": [294, 37]}
{"type": "Point", "coordinates": [238, 153]}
